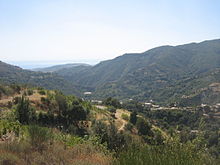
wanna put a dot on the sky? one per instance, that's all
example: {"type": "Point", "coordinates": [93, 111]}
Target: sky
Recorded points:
{"type": "Point", "coordinates": [95, 30]}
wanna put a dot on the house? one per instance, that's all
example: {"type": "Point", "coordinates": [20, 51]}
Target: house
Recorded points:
{"type": "Point", "coordinates": [148, 105]}
{"type": "Point", "coordinates": [87, 93]}
{"type": "Point", "coordinates": [96, 101]}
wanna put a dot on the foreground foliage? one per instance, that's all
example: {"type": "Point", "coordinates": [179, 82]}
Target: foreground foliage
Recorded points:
{"type": "Point", "coordinates": [170, 154]}
{"type": "Point", "coordinates": [59, 129]}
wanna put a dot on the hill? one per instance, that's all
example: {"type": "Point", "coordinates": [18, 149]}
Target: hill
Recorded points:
{"type": "Point", "coordinates": [184, 74]}
{"type": "Point", "coordinates": [164, 74]}
{"type": "Point", "coordinates": [12, 74]}
{"type": "Point", "coordinates": [46, 127]}
{"type": "Point", "coordinates": [60, 67]}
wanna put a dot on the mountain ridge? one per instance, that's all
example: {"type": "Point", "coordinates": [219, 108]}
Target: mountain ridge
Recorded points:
{"type": "Point", "coordinates": [55, 68]}
{"type": "Point", "coordinates": [14, 74]}
{"type": "Point", "coordinates": [144, 75]}
{"type": "Point", "coordinates": [163, 74]}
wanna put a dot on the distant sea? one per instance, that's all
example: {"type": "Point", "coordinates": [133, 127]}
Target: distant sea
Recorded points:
{"type": "Point", "coordinates": [42, 64]}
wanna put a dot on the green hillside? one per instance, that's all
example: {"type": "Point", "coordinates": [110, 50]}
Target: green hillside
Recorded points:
{"type": "Point", "coordinates": [46, 127]}
{"type": "Point", "coordinates": [60, 67]}
{"type": "Point", "coordinates": [163, 74]}
{"type": "Point", "coordinates": [13, 74]}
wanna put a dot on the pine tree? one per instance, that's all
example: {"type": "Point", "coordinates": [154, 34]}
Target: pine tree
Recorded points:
{"type": "Point", "coordinates": [133, 117]}
{"type": "Point", "coordinates": [25, 113]}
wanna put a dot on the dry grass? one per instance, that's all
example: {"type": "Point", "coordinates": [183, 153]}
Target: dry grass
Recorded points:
{"type": "Point", "coordinates": [55, 154]}
{"type": "Point", "coordinates": [35, 97]}
{"type": "Point", "coordinates": [103, 115]}
{"type": "Point", "coordinates": [120, 122]}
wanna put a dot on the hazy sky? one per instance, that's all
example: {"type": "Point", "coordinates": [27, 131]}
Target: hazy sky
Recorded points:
{"type": "Point", "coordinates": [53, 30]}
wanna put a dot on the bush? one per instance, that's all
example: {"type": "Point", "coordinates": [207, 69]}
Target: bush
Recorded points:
{"type": "Point", "coordinates": [112, 102]}
{"type": "Point", "coordinates": [109, 134]}
{"type": "Point", "coordinates": [144, 128]}
{"type": "Point", "coordinates": [42, 92]}
{"type": "Point", "coordinates": [169, 154]}
{"type": "Point", "coordinates": [39, 137]}
{"type": "Point", "coordinates": [129, 127]}
{"type": "Point", "coordinates": [111, 109]}
{"type": "Point", "coordinates": [125, 116]}
{"type": "Point", "coordinates": [30, 92]}
{"type": "Point", "coordinates": [10, 104]}
{"type": "Point", "coordinates": [83, 153]}
{"type": "Point", "coordinates": [16, 100]}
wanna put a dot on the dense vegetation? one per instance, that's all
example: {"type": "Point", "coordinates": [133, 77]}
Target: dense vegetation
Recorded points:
{"type": "Point", "coordinates": [59, 129]}
{"type": "Point", "coordinates": [61, 67]}
{"type": "Point", "coordinates": [186, 74]}
{"type": "Point", "coordinates": [41, 126]}
{"type": "Point", "coordinates": [164, 74]}
{"type": "Point", "coordinates": [14, 75]}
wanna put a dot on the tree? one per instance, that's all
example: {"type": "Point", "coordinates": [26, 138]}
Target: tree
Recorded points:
{"type": "Point", "coordinates": [109, 135]}
{"type": "Point", "coordinates": [112, 102]}
{"type": "Point", "coordinates": [143, 127]}
{"type": "Point", "coordinates": [61, 101]}
{"type": "Point", "coordinates": [115, 140]}
{"type": "Point", "coordinates": [64, 117]}
{"type": "Point", "coordinates": [100, 128]}
{"type": "Point", "coordinates": [213, 139]}
{"type": "Point", "coordinates": [25, 114]}
{"type": "Point", "coordinates": [134, 106]}
{"type": "Point", "coordinates": [75, 112]}
{"type": "Point", "coordinates": [133, 117]}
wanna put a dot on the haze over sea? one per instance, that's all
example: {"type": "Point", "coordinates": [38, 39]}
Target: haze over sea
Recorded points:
{"type": "Point", "coordinates": [42, 64]}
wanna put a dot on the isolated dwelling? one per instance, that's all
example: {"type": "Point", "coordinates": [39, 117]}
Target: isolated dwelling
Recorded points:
{"type": "Point", "coordinates": [87, 93]}
{"type": "Point", "coordinates": [96, 101]}
{"type": "Point", "coordinates": [148, 105]}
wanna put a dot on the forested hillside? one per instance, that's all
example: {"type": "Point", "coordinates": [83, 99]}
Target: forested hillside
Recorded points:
{"type": "Point", "coordinates": [186, 74]}
{"type": "Point", "coordinates": [164, 74]}
{"type": "Point", "coordinates": [60, 67]}
{"type": "Point", "coordinates": [13, 74]}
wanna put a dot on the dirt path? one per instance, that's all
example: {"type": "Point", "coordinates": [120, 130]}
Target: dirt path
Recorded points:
{"type": "Point", "coordinates": [120, 123]}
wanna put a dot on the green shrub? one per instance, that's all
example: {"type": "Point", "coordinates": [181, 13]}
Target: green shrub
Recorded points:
{"type": "Point", "coordinates": [144, 128]}
{"type": "Point", "coordinates": [39, 137]}
{"type": "Point", "coordinates": [111, 109]}
{"type": "Point", "coordinates": [112, 102]}
{"type": "Point", "coordinates": [42, 92]}
{"type": "Point", "coordinates": [125, 116]}
{"type": "Point", "coordinates": [30, 92]}
{"type": "Point", "coordinates": [169, 154]}
{"type": "Point", "coordinates": [129, 127]}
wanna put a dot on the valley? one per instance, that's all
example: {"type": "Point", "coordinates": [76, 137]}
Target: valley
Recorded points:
{"type": "Point", "coordinates": [166, 99]}
{"type": "Point", "coordinates": [109, 82]}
